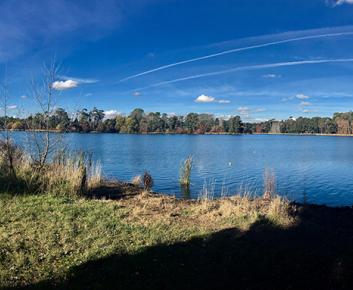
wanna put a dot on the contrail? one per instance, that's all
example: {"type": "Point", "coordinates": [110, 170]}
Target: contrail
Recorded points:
{"type": "Point", "coordinates": [235, 50]}
{"type": "Point", "coordinates": [249, 67]}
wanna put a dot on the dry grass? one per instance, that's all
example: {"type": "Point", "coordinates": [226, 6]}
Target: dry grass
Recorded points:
{"type": "Point", "coordinates": [137, 180]}
{"type": "Point", "coordinates": [95, 175]}
{"type": "Point", "coordinates": [208, 190]}
{"type": "Point", "coordinates": [66, 174]}
{"type": "Point", "coordinates": [71, 177]}
{"type": "Point", "coordinates": [207, 214]}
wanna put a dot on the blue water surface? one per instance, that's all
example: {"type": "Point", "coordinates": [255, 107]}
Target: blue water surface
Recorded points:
{"type": "Point", "coordinates": [315, 169]}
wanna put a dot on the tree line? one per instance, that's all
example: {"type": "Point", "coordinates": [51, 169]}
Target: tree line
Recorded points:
{"type": "Point", "coordinates": [138, 121]}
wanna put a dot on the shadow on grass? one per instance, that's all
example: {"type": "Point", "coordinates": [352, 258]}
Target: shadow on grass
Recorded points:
{"type": "Point", "coordinates": [114, 190]}
{"type": "Point", "coordinates": [15, 186]}
{"type": "Point", "coordinates": [317, 253]}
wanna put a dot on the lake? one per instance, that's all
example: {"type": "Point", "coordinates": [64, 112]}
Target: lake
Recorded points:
{"type": "Point", "coordinates": [315, 169]}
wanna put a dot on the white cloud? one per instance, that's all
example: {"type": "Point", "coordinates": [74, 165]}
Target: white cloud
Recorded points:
{"type": "Point", "coordinates": [79, 80]}
{"type": "Point", "coordinates": [306, 108]}
{"type": "Point", "coordinates": [23, 97]}
{"type": "Point", "coordinates": [244, 111]}
{"type": "Point", "coordinates": [64, 85]}
{"type": "Point", "coordinates": [136, 94]}
{"type": "Point", "coordinates": [302, 97]}
{"type": "Point", "coordinates": [111, 114]}
{"type": "Point", "coordinates": [305, 104]}
{"type": "Point", "coordinates": [271, 76]}
{"type": "Point", "coordinates": [12, 107]}
{"type": "Point", "coordinates": [204, 99]}
{"type": "Point", "coordinates": [258, 110]}
{"type": "Point", "coordinates": [208, 99]}
{"type": "Point", "coordinates": [287, 99]}
{"type": "Point", "coordinates": [88, 94]}
{"type": "Point", "coordinates": [298, 96]}
{"type": "Point", "coordinates": [223, 101]}
{"type": "Point", "coordinates": [335, 3]}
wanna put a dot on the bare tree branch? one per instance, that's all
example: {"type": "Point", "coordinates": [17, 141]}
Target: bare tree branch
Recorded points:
{"type": "Point", "coordinates": [45, 95]}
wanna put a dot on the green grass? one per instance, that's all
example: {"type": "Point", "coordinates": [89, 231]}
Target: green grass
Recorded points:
{"type": "Point", "coordinates": [158, 242]}
{"type": "Point", "coordinates": [42, 237]}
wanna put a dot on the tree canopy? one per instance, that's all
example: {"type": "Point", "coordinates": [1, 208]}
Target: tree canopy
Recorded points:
{"type": "Point", "coordinates": [140, 122]}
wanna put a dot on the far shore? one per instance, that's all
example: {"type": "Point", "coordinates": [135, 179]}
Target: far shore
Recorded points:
{"type": "Point", "coordinates": [173, 133]}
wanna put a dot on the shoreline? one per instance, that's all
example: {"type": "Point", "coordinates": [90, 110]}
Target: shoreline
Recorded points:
{"type": "Point", "coordinates": [172, 133]}
{"type": "Point", "coordinates": [126, 189]}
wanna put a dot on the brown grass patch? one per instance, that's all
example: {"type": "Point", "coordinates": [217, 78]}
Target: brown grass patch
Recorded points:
{"type": "Point", "coordinates": [239, 211]}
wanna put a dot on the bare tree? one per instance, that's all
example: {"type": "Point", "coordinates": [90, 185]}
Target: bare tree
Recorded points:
{"type": "Point", "coordinates": [45, 95]}
{"type": "Point", "coordinates": [6, 146]}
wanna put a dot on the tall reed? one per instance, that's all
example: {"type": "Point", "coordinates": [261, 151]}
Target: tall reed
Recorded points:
{"type": "Point", "coordinates": [185, 171]}
{"type": "Point", "coordinates": [208, 190]}
{"type": "Point", "coordinates": [269, 184]}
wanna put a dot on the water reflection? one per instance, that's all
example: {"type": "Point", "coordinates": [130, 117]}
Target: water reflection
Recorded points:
{"type": "Point", "coordinates": [185, 191]}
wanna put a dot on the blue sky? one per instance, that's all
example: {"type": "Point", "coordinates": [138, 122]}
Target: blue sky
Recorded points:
{"type": "Point", "coordinates": [260, 59]}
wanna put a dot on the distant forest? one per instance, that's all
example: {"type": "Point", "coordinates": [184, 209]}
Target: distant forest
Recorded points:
{"type": "Point", "coordinates": [140, 122]}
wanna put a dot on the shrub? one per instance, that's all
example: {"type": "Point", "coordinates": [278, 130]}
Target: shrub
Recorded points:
{"type": "Point", "coordinates": [66, 174]}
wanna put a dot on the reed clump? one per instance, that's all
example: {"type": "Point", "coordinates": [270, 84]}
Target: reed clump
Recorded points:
{"type": "Point", "coordinates": [66, 174]}
{"type": "Point", "coordinates": [147, 181]}
{"type": "Point", "coordinates": [185, 171]}
{"type": "Point", "coordinates": [245, 207]}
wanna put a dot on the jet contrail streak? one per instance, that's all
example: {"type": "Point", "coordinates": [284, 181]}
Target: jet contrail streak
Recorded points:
{"type": "Point", "coordinates": [235, 50]}
{"type": "Point", "coordinates": [249, 67]}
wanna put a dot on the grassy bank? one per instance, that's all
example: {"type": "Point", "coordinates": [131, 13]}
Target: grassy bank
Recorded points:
{"type": "Point", "coordinates": [156, 242]}
{"type": "Point", "coordinates": [45, 237]}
